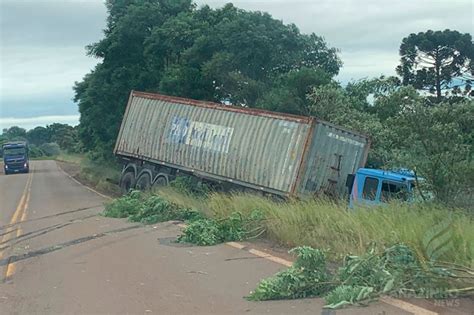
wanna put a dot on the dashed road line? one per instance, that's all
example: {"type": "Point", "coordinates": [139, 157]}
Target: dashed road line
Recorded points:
{"type": "Point", "coordinates": [18, 216]}
{"type": "Point", "coordinates": [411, 308]}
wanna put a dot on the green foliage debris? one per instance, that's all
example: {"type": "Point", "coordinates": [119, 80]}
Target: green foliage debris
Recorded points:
{"type": "Point", "coordinates": [306, 278]}
{"type": "Point", "coordinates": [395, 271]}
{"type": "Point", "coordinates": [235, 227]}
{"type": "Point", "coordinates": [148, 209]}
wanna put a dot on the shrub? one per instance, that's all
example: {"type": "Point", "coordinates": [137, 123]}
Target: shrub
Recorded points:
{"type": "Point", "coordinates": [50, 149]}
{"type": "Point", "coordinates": [123, 207]}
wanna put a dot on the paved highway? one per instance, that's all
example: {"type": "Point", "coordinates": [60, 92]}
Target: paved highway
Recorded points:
{"type": "Point", "coordinates": [59, 256]}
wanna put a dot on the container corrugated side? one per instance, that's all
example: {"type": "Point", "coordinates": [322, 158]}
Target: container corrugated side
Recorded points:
{"type": "Point", "coordinates": [334, 153]}
{"type": "Point", "coordinates": [264, 150]}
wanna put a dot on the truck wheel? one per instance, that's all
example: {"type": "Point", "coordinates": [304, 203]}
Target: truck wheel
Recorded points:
{"type": "Point", "coordinates": [144, 182]}
{"type": "Point", "coordinates": [161, 181]}
{"type": "Point", "coordinates": [127, 182]}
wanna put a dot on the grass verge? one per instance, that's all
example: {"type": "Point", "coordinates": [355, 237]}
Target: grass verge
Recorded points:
{"type": "Point", "coordinates": [418, 250]}
{"type": "Point", "coordinates": [100, 176]}
{"type": "Point", "coordinates": [430, 230]}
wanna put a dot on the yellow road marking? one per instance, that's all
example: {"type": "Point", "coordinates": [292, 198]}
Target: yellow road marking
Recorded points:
{"type": "Point", "coordinates": [18, 216]}
{"type": "Point", "coordinates": [275, 259]}
{"type": "Point", "coordinates": [234, 244]}
{"type": "Point", "coordinates": [411, 308]}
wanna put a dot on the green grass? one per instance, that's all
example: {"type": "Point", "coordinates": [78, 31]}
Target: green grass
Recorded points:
{"type": "Point", "coordinates": [101, 176]}
{"type": "Point", "coordinates": [326, 225]}
{"type": "Point", "coordinates": [75, 158]}
{"type": "Point", "coordinates": [418, 250]}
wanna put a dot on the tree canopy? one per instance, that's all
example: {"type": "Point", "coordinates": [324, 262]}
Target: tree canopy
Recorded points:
{"type": "Point", "coordinates": [42, 139]}
{"type": "Point", "coordinates": [408, 131]}
{"type": "Point", "coordinates": [251, 59]}
{"type": "Point", "coordinates": [438, 61]}
{"type": "Point", "coordinates": [175, 48]}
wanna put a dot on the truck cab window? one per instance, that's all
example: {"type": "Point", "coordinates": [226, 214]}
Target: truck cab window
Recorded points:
{"type": "Point", "coordinates": [370, 188]}
{"type": "Point", "coordinates": [394, 190]}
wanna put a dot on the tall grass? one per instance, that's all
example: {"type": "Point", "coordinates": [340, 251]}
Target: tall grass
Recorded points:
{"type": "Point", "coordinates": [100, 175]}
{"type": "Point", "coordinates": [327, 225]}
{"type": "Point", "coordinates": [103, 177]}
{"type": "Point", "coordinates": [75, 158]}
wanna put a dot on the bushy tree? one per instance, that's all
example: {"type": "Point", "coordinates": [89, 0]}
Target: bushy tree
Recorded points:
{"type": "Point", "coordinates": [225, 54]}
{"type": "Point", "coordinates": [437, 141]}
{"type": "Point", "coordinates": [438, 62]}
{"type": "Point", "coordinates": [289, 92]}
{"type": "Point", "coordinates": [14, 133]}
{"type": "Point", "coordinates": [64, 135]}
{"type": "Point", "coordinates": [50, 149]}
{"type": "Point", "coordinates": [408, 131]}
{"type": "Point", "coordinates": [38, 135]}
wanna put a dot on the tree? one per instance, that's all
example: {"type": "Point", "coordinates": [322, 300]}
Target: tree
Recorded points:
{"type": "Point", "coordinates": [438, 62]}
{"type": "Point", "coordinates": [50, 149]}
{"type": "Point", "coordinates": [15, 133]}
{"type": "Point", "coordinates": [437, 141]}
{"type": "Point", "coordinates": [171, 47]}
{"type": "Point", "coordinates": [290, 91]}
{"type": "Point", "coordinates": [38, 136]}
{"type": "Point", "coordinates": [64, 135]}
{"type": "Point", "coordinates": [407, 131]}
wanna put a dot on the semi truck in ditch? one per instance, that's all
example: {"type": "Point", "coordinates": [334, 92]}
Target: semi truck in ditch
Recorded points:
{"type": "Point", "coordinates": [286, 155]}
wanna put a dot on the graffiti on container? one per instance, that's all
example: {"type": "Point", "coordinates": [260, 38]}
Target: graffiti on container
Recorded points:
{"type": "Point", "coordinates": [206, 136]}
{"type": "Point", "coordinates": [179, 129]}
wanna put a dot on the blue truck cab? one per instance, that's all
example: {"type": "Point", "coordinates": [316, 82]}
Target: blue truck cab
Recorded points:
{"type": "Point", "coordinates": [15, 157]}
{"type": "Point", "coordinates": [374, 186]}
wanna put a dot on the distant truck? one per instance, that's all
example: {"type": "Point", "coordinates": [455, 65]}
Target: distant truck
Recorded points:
{"type": "Point", "coordinates": [276, 153]}
{"type": "Point", "coordinates": [15, 157]}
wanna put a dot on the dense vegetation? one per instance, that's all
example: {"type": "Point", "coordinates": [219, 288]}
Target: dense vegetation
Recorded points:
{"type": "Point", "coordinates": [400, 250]}
{"type": "Point", "coordinates": [250, 59]}
{"type": "Point", "coordinates": [172, 47]}
{"type": "Point", "coordinates": [45, 141]}
{"type": "Point", "coordinates": [423, 120]}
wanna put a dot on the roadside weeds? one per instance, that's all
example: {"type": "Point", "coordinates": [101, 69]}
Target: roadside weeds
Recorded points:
{"type": "Point", "coordinates": [395, 269]}
{"type": "Point", "coordinates": [295, 223]}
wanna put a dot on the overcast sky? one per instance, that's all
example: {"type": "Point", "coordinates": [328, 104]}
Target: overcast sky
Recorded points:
{"type": "Point", "coordinates": [42, 43]}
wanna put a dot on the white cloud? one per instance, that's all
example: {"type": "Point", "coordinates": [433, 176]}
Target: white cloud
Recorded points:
{"type": "Point", "coordinates": [32, 122]}
{"type": "Point", "coordinates": [368, 32]}
{"type": "Point", "coordinates": [42, 42]}
{"type": "Point", "coordinates": [34, 71]}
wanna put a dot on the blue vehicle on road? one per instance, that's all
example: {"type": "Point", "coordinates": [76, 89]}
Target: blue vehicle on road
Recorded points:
{"type": "Point", "coordinates": [15, 157]}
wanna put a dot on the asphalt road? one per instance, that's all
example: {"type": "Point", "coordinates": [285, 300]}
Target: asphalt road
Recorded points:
{"type": "Point", "coordinates": [59, 256]}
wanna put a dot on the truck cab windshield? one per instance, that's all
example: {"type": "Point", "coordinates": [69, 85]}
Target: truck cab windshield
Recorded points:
{"type": "Point", "coordinates": [14, 152]}
{"type": "Point", "coordinates": [394, 191]}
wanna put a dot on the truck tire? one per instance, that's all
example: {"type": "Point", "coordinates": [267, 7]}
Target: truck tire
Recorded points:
{"type": "Point", "coordinates": [160, 181]}
{"type": "Point", "coordinates": [127, 182]}
{"type": "Point", "coordinates": [144, 182]}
